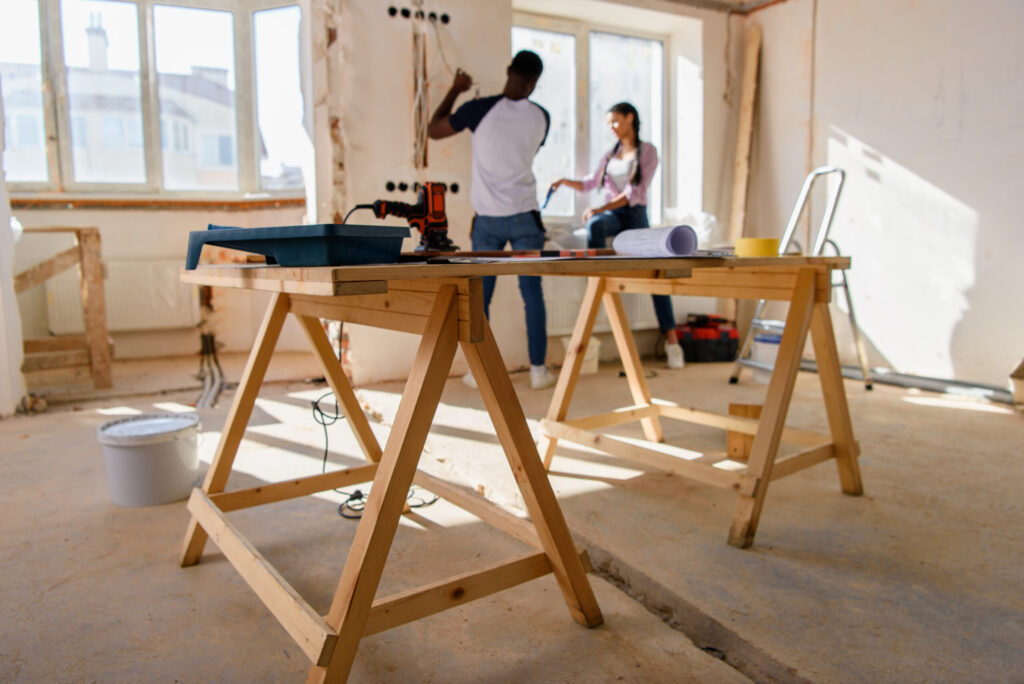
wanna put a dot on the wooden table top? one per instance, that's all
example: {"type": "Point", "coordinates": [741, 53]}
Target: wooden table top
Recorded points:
{"type": "Point", "coordinates": [330, 280]}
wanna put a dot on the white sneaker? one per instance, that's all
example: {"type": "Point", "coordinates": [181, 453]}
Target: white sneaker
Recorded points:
{"type": "Point", "coordinates": [541, 377]}
{"type": "Point", "coordinates": [468, 380]}
{"type": "Point", "coordinates": [675, 356]}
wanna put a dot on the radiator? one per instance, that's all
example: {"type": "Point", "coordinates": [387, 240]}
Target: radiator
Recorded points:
{"type": "Point", "coordinates": [140, 295]}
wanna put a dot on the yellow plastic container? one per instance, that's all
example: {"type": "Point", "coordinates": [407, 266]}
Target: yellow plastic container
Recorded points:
{"type": "Point", "coordinates": [757, 247]}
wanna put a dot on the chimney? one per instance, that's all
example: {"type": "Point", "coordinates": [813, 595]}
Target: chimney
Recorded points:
{"type": "Point", "coordinates": [97, 42]}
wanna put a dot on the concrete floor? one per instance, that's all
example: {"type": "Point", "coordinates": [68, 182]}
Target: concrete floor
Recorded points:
{"type": "Point", "coordinates": [921, 579]}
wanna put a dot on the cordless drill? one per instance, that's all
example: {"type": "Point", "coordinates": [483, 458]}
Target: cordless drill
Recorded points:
{"type": "Point", "coordinates": [427, 215]}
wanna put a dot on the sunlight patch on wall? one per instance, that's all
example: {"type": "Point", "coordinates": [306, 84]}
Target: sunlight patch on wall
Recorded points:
{"type": "Point", "coordinates": [913, 250]}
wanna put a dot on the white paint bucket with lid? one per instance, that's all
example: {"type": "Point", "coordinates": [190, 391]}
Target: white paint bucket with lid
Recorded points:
{"type": "Point", "coordinates": [151, 459]}
{"type": "Point", "coordinates": [766, 348]}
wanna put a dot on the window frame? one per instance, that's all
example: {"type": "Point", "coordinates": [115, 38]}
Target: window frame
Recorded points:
{"type": "Point", "coordinates": [57, 126]}
{"type": "Point", "coordinates": [581, 30]}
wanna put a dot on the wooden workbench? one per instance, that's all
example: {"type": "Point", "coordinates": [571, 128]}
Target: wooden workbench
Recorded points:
{"type": "Point", "coordinates": [803, 282]}
{"type": "Point", "coordinates": [443, 303]}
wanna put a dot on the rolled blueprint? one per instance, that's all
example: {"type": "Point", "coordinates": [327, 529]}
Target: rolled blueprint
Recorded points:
{"type": "Point", "coordinates": [656, 242]}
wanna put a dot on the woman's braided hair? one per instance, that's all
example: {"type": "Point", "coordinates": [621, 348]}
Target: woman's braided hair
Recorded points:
{"type": "Point", "coordinates": [624, 109]}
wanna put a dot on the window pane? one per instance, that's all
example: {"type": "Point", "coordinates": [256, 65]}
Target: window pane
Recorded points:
{"type": "Point", "coordinates": [195, 64]}
{"type": "Point", "coordinates": [22, 83]}
{"type": "Point", "coordinates": [627, 69]}
{"type": "Point", "coordinates": [556, 92]}
{"type": "Point", "coordinates": [283, 140]}
{"type": "Point", "coordinates": [101, 54]}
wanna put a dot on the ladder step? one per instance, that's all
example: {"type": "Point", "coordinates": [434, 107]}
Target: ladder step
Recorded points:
{"type": "Point", "coordinates": [766, 324]}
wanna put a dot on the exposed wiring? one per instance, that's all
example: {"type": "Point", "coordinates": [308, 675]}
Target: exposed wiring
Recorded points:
{"type": "Point", "coordinates": [440, 49]}
{"type": "Point", "coordinates": [355, 501]}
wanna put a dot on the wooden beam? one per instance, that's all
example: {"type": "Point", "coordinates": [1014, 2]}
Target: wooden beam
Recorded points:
{"type": "Point", "coordinates": [360, 577]}
{"type": "Point", "coordinates": [804, 459]}
{"type": "Point", "coordinates": [94, 307]}
{"type": "Point", "coordinates": [49, 360]}
{"type": "Point", "coordinates": [631, 361]}
{"type": "Point", "coordinates": [744, 133]}
{"type": "Point", "coordinates": [510, 427]}
{"type": "Point", "coordinates": [574, 355]}
{"type": "Point", "coordinates": [43, 271]}
{"type": "Point", "coordinates": [303, 624]}
{"type": "Point", "coordinates": [747, 426]}
{"type": "Point", "coordinates": [282, 491]}
{"type": "Point", "coordinates": [627, 414]}
{"type": "Point", "coordinates": [472, 502]}
{"type": "Point", "coordinates": [342, 388]}
{"type": "Point", "coordinates": [237, 419]}
{"type": "Point", "coordinates": [54, 344]}
{"type": "Point", "coordinates": [249, 280]}
{"type": "Point", "coordinates": [650, 456]}
{"type": "Point", "coordinates": [407, 606]}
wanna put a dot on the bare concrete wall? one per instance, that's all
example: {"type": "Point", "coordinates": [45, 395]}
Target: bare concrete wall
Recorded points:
{"type": "Point", "coordinates": [923, 105]}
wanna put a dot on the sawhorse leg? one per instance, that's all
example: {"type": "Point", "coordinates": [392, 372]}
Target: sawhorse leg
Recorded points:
{"type": "Point", "coordinates": [570, 372]}
{"type": "Point", "coordinates": [237, 419]}
{"type": "Point", "coordinates": [834, 392]}
{"type": "Point", "coordinates": [631, 362]}
{"type": "Point", "coordinates": [510, 425]}
{"type": "Point", "coordinates": [773, 416]}
{"type": "Point", "coordinates": [361, 576]}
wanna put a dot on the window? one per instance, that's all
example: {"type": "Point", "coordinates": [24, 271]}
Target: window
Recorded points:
{"type": "Point", "coordinates": [627, 69]}
{"type": "Point", "coordinates": [283, 143]}
{"type": "Point", "coordinates": [79, 132]}
{"type": "Point", "coordinates": [22, 82]}
{"type": "Point", "coordinates": [153, 95]}
{"type": "Point", "coordinates": [556, 93]}
{"type": "Point", "coordinates": [101, 62]}
{"type": "Point", "coordinates": [618, 68]}
{"type": "Point", "coordinates": [196, 71]}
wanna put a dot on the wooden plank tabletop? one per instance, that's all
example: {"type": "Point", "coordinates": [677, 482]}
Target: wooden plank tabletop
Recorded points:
{"type": "Point", "coordinates": [321, 279]}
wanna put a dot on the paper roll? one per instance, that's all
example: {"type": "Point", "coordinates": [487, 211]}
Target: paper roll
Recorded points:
{"type": "Point", "coordinates": [656, 242]}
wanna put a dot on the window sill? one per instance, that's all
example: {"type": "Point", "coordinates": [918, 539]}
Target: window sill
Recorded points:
{"type": "Point", "coordinates": [39, 201]}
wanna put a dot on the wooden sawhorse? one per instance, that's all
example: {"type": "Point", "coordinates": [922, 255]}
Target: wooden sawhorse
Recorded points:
{"type": "Point", "coordinates": [446, 312]}
{"type": "Point", "coordinates": [805, 283]}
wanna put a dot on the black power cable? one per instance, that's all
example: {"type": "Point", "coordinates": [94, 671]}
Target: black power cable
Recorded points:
{"type": "Point", "coordinates": [355, 501]}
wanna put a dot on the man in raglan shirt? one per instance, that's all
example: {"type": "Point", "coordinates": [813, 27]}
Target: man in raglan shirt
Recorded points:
{"type": "Point", "coordinates": [508, 129]}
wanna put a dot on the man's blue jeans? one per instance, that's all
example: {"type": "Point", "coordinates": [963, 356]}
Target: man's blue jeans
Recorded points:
{"type": "Point", "coordinates": [522, 231]}
{"type": "Point", "coordinates": [601, 228]}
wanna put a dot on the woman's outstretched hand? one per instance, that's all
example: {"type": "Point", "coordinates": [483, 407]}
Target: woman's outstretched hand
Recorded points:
{"type": "Point", "coordinates": [557, 184]}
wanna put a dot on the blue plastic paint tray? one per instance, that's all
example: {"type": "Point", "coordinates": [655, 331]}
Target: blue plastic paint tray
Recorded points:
{"type": "Point", "coordinates": [323, 244]}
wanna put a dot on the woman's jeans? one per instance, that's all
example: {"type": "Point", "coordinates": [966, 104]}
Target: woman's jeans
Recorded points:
{"type": "Point", "coordinates": [523, 231]}
{"type": "Point", "coordinates": [601, 228]}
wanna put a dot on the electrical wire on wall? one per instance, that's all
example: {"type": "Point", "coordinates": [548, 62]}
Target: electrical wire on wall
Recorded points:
{"type": "Point", "coordinates": [422, 80]}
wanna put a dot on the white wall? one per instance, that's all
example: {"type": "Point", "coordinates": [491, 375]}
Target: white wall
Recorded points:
{"type": "Point", "coordinates": [924, 107]}
{"type": "Point", "coordinates": [374, 83]}
{"type": "Point", "coordinates": [12, 384]}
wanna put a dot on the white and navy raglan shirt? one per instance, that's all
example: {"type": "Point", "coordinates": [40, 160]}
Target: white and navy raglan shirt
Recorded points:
{"type": "Point", "coordinates": [506, 136]}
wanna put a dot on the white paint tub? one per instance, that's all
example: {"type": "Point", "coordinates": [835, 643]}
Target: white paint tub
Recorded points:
{"type": "Point", "coordinates": [151, 459]}
{"type": "Point", "coordinates": [766, 349]}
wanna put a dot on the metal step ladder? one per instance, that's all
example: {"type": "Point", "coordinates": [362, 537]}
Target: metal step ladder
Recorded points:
{"type": "Point", "coordinates": [820, 241]}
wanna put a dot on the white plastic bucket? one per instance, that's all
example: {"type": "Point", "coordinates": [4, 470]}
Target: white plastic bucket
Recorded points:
{"type": "Point", "coordinates": [590, 357]}
{"type": "Point", "coordinates": [766, 348]}
{"type": "Point", "coordinates": [151, 459]}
